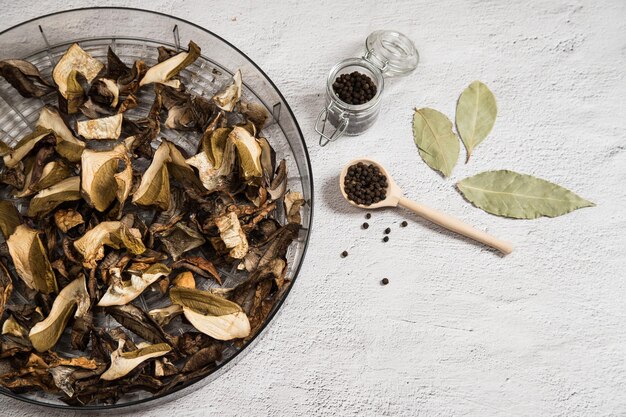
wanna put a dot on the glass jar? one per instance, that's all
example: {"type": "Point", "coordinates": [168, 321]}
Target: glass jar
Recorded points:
{"type": "Point", "coordinates": [387, 54]}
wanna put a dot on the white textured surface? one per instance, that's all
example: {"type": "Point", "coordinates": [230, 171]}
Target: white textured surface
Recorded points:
{"type": "Point", "coordinates": [459, 330]}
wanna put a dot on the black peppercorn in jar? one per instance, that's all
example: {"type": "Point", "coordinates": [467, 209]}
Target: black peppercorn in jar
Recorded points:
{"type": "Point", "coordinates": [351, 108]}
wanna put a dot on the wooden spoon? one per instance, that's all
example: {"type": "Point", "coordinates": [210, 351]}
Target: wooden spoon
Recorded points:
{"type": "Point", "coordinates": [395, 197]}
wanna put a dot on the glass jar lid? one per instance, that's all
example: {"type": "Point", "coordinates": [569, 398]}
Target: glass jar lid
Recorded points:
{"type": "Point", "coordinates": [392, 52]}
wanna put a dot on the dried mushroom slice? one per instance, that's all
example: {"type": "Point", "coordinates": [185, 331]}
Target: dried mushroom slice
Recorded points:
{"type": "Point", "coordinates": [293, 202]}
{"type": "Point", "coordinates": [185, 111]}
{"type": "Point", "coordinates": [278, 186]}
{"type": "Point", "coordinates": [47, 200]}
{"type": "Point", "coordinates": [249, 152]}
{"type": "Point", "coordinates": [124, 362]}
{"type": "Point", "coordinates": [164, 71]}
{"type": "Point", "coordinates": [106, 175]}
{"type": "Point", "coordinates": [103, 128]}
{"type": "Point", "coordinates": [25, 145]}
{"type": "Point", "coordinates": [162, 316]}
{"type": "Point", "coordinates": [114, 234]}
{"type": "Point", "coordinates": [66, 219]}
{"type": "Point", "coordinates": [4, 148]}
{"type": "Point", "coordinates": [122, 292]}
{"type": "Point", "coordinates": [9, 218]}
{"type": "Point", "coordinates": [38, 179]}
{"type": "Point", "coordinates": [68, 146]}
{"type": "Point", "coordinates": [232, 235]}
{"type": "Point", "coordinates": [227, 98]}
{"type": "Point", "coordinates": [13, 328]}
{"type": "Point", "coordinates": [75, 59]}
{"type": "Point", "coordinates": [139, 322]}
{"type": "Point", "coordinates": [154, 189]}
{"type": "Point", "coordinates": [30, 260]}
{"type": "Point", "coordinates": [24, 77]}
{"type": "Point", "coordinates": [6, 288]}
{"type": "Point", "coordinates": [179, 239]}
{"type": "Point", "coordinates": [74, 96]}
{"type": "Point", "coordinates": [212, 315]}
{"type": "Point", "coordinates": [254, 112]}
{"type": "Point", "coordinates": [213, 177]}
{"type": "Point", "coordinates": [45, 334]}
{"type": "Point", "coordinates": [104, 91]}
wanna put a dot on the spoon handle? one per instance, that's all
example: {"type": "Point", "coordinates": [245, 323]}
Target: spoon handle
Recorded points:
{"type": "Point", "coordinates": [455, 225]}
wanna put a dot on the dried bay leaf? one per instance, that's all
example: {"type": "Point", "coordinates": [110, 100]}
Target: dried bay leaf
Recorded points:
{"type": "Point", "coordinates": [437, 144]}
{"type": "Point", "coordinates": [475, 115]}
{"type": "Point", "coordinates": [509, 194]}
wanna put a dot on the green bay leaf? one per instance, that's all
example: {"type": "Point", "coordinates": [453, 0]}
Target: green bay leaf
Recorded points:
{"type": "Point", "coordinates": [475, 115]}
{"type": "Point", "coordinates": [509, 194]}
{"type": "Point", "coordinates": [438, 145]}
{"type": "Point", "coordinates": [203, 302]}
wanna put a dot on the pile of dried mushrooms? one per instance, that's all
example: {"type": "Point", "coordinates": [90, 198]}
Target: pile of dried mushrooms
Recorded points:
{"type": "Point", "coordinates": [90, 231]}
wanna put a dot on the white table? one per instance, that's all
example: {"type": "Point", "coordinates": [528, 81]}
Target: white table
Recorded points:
{"type": "Point", "coordinates": [459, 330]}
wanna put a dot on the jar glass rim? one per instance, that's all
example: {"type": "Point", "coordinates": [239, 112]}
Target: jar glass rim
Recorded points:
{"type": "Point", "coordinates": [379, 79]}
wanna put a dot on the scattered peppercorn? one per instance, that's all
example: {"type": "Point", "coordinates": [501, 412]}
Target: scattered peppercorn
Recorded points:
{"type": "Point", "coordinates": [386, 239]}
{"type": "Point", "coordinates": [404, 224]}
{"type": "Point", "coordinates": [385, 281]}
{"type": "Point", "coordinates": [365, 225]}
{"type": "Point", "coordinates": [354, 88]}
{"type": "Point", "coordinates": [365, 184]}
{"type": "Point", "coordinates": [344, 253]}
{"type": "Point", "coordinates": [387, 231]}
{"type": "Point", "coordinates": [368, 216]}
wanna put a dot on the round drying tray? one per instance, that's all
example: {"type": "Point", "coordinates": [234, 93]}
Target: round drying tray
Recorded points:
{"type": "Point", "coordinates": [135, 34]}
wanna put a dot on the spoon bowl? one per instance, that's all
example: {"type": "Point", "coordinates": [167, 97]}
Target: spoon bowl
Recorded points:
{"type": "Point", "coordinates": [395, 197]}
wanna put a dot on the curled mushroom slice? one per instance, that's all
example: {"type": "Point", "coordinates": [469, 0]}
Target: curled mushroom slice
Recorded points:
{"type": "Point", "coordinates": [47, 200]}
{"type": "Point", "coordinates": [45, 334]}
{"type": "Point", "coordinates": [293, 202]}
{"type": "Point", "coordinates": [254, 112]}
{"type": "Point", "coordinates": [13, 328]}
{"type": "Point", "coordinates": [25, 145]}
{"type": "Point", "coordinates": [122, 292]}
{"type": "Point", "coordinates": [9, 218]}
{"type": "Point", "coordinates": [67, 146]}
{"type": "Point", "coordinates": [75, 59]}
{"type": "Point", "coordinates": [227, 97]}
{"type": "Point", "coordinates": [114, 234]}
{"type": "Point", "coordinates": [74, 96]}
{"type": "Point", "coordinates": [179, 239]}
{"type": "Point", "coordinates": [214, 178]}
{"type": "Point", "coordinates": [232, 235]}
{"type": "Point", "coordinates": [268, 160]}
{"type": "Point", "coordinates": [103, 128]}
{"type": "Point", "coordinates": [164, 71]}
{"type": "Point", "coordinates": [124, 362]}
{"type": "Point", "coordinates": [249, 152]}
{"type": "Point", "coordinates": [24, 77]}
{"type": "Point", "coordinates": [212, 315]}
{"type": "Point", "coordinates": [30, 259]}
{"type": "Point", "coordinates": [106, 175]}
{"type": "Point", "coordinates": [40, 177]}
{"type": "Point", "coordinates": [154, 188]}
{"type": "Point", "coordinates": [6, 287]}
{"type": "Point", "coordinates": [278, 186]}
{"type": "Point", "coordinates": [162, 316]}
{"type": "Point", "coordinates": [105, 91]}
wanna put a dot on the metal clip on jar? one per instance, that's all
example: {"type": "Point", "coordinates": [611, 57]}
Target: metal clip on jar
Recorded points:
{"type": "Point", "coordinates": [387, 54]}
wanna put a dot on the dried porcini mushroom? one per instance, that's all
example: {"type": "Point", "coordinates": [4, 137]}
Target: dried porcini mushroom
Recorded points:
{"type": "Point", "coordinates": [293, 202]}
{"type": "Point", "coordinates": [122, 292]}
{"type": "Point", "coordinates": [212, 315]}
{"type": "Point", "coordinates": [124, 362]}
{"type": "Point", "coordinates": [232, 235]}
{"type": "Point", "coordinates": [9, 218]}
{"type": "Point", "coordinates": [227, 97]}
{"type": "Point", "coordinates": [24, 77]}
{"type": "Point", "coordinates": [69, 228]}
{"type": "Point", "coordinates": [103, 128]}
{"type": "Point", "coordinates": [164, 71]}
{"type": "Point", "coordinates": [30, 260]}
{"type": "Point", "coordinates": [66, 219]}
{"type": "Point", "coordinates": [47, 200]}
{"type": "Point", "coordinates": [45, 334]}
{"type": "Point", "coordinates": [106, 175]}
{"type": "Point", "coordinates": [114, 234]}
{"type": "Point", "coordinates": [78, 61]}
{"type": "Point", "coordinates": [154, 189]}
{"type": "Point", "coordinates": [104, 91]}
{"type": "Point", "coordinates": [68, 146]}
